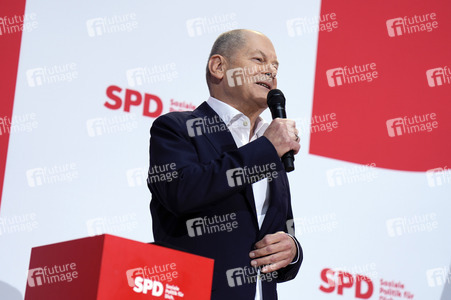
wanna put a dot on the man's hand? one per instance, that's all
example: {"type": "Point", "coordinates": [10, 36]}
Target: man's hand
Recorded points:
{"type": "Point", "coordinates": [275, 250]}
{"type": "Point", "coordinates": [282, 133]}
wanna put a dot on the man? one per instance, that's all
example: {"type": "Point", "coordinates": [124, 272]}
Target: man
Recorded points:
{"type": "Point", "coordinates": [229, 197]}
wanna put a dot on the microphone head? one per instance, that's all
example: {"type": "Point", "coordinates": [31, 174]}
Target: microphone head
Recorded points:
{"type": "Point", "coordinates": [275, 97]}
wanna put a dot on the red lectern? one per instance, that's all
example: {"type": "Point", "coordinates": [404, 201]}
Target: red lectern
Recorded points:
{"type": "Point", "coordinates": [107, 267]}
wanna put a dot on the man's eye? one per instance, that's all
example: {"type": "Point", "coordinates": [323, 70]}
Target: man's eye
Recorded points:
{"type": "Point", "coordinates": [259, 59]}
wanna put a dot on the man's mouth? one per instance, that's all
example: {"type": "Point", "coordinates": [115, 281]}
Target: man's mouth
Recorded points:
{"type": "Point", "coordinates": [264, 85]}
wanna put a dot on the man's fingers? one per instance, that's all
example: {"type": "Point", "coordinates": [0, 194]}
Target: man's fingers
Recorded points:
{"type": "Point", "coordinates": [273, 262]}
{"type": "Point", "coordinates": [296, 147]}
{"type": "Point", "coordinates": [270, 239]}
{"type": "Point", "coordinates": [283, 134]}
{"type": "Point", "coordinates": [270, 244]}
{"type": "Point", "coordinates": [275, 266]}
{"type": "Point", "coordinates": [274, 251]}
{"type": "Point", "coordinates": [268, 250]}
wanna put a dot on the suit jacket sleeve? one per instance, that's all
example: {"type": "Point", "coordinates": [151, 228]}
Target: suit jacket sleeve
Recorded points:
{"type": "Point", "coordinates": [290, 271]}
{"type": "Point", "coordinates": [199, 184]}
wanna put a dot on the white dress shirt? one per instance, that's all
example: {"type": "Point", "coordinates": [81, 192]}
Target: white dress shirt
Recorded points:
{"type": "Point", "coordinates": [240, 128]}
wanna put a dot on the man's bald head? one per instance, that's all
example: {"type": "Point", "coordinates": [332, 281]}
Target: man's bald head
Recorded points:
{"type": "Point", "coordinates": [227, 44]}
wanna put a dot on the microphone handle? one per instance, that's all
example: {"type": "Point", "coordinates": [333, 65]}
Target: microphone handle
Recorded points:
{"type": "Point", "coordinates": [278, 112]}
{"type": "Point", "coordinates": [288, 161]}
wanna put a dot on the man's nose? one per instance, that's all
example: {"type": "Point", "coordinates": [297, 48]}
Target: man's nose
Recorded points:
{"type": "Point", "coordinates": [272, 71]}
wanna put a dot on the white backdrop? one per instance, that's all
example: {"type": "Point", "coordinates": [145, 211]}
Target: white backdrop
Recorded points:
{"type": "Point", "coordinates": [76, 168]}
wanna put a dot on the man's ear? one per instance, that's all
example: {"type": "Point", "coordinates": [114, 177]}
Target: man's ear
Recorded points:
{"type": "Point", "coordinates": [217, 66]}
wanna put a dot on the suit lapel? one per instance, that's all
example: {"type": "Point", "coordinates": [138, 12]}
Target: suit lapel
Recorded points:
{"type": "Point", "coordinates": [277, 204]}
{"type": "Point", "coordinates": [223, 141]}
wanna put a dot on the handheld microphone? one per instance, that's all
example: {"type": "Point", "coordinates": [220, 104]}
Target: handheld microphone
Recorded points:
{"type": "Point", "coordinates": [276, 104]}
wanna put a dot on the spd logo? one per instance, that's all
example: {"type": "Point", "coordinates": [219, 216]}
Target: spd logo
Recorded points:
{"type": "Point", "coordinates": [143, 285]}
{"type": "Point", "coordinates": [152, 104]}
{"type": "Point", "coordinates": [339, 281]}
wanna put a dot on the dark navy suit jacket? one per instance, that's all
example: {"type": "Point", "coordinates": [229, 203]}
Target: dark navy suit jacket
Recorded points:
{"type": "Point", "coordinates": [201, 157]}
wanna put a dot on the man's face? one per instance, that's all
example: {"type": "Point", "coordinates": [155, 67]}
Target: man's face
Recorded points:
{"type": "Point", "coordinates": [252, 70]}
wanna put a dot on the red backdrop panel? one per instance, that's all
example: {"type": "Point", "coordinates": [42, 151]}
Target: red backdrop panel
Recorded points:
{"type": "Point", "coordinates": [385, 73]}
{"type": "Point", "coordinates": [9, 60]}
